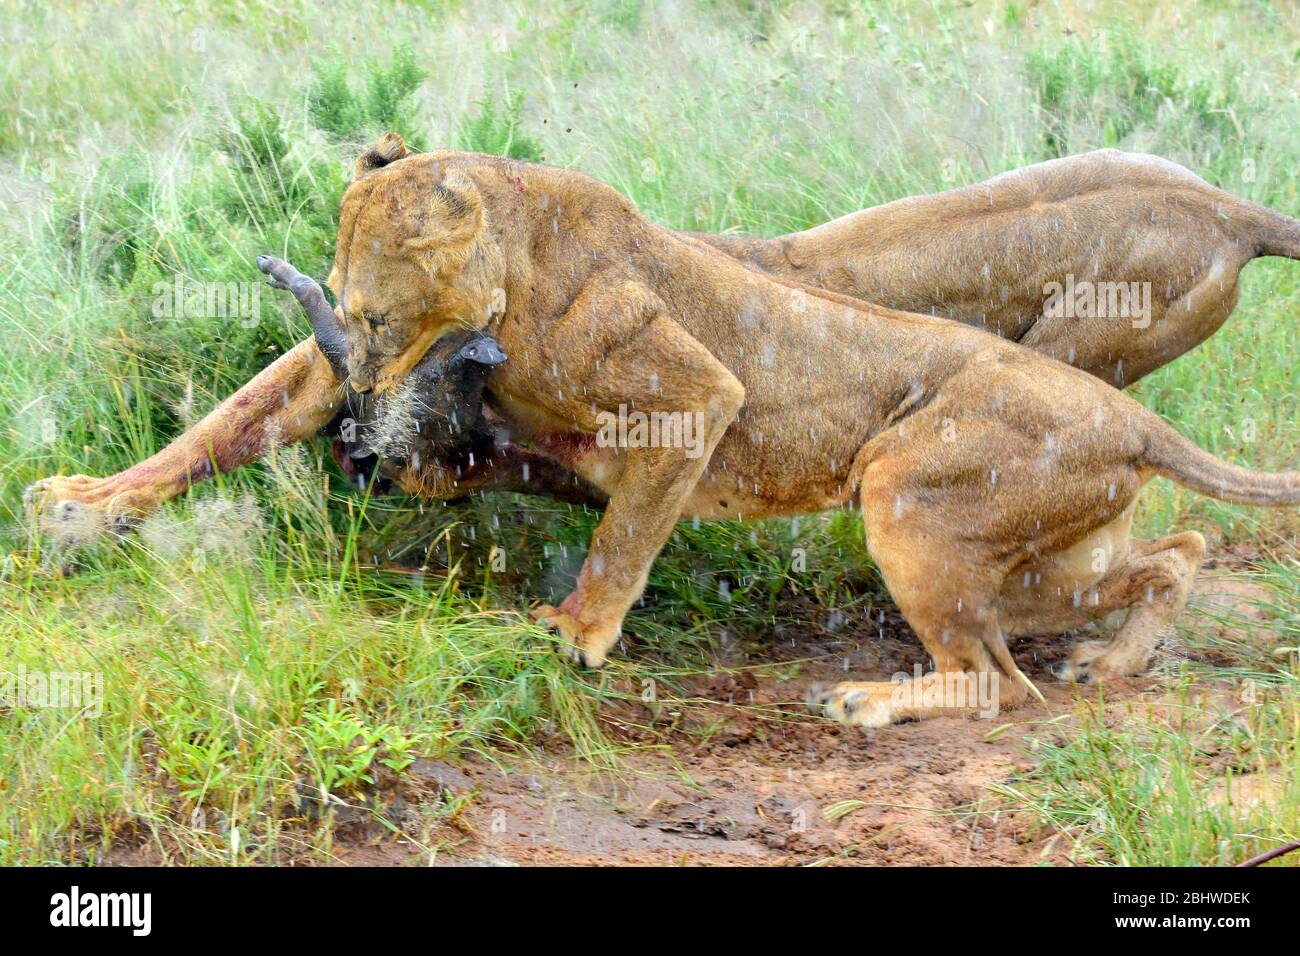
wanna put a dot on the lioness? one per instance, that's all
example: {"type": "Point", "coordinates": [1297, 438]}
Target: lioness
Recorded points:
{"type": "Point", "coordinates": [990, 477]}
{"type": "Point", "coordinates": [998, 255]}
{"type": "Point", "coordinates": [1116, 263]}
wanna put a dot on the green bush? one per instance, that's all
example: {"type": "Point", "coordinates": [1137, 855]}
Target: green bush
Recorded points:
{"type": "Point", "coordinates": [1122, 86]}
{"type": "Point", "coordinates": [384, 102]}
{"type": "Point", "coordinates": [498, 129]}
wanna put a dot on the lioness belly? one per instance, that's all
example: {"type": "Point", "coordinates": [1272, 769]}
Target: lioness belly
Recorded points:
{"type": "Point", "coordinates": [762, 468]}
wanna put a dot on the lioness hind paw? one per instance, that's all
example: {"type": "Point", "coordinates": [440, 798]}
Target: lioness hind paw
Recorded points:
{"type": "Point", "coordinates": [853, 703]}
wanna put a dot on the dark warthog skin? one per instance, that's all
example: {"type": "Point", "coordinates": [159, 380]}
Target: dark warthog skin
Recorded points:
{"type": "Point", "coordinates": [436, 418]}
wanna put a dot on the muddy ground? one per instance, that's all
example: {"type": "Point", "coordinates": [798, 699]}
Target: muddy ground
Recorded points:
{"type": "Point", "coordinates": [733, 768]}
{"type": "Point", "coordinates": [739, 771]}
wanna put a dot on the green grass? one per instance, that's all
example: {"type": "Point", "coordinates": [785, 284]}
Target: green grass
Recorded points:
{"type": "Point", "coordinates": [246, 650]}
{"type": "Point", "coordinates": [1178, 793]}
{"type": "Point", "coordinates": [1207, 775]}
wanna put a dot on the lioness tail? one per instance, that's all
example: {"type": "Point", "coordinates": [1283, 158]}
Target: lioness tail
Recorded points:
{"type": "Point", "coordinates": [1181, 460]}
{"type": "Point", "coordinates": [1276, 234]}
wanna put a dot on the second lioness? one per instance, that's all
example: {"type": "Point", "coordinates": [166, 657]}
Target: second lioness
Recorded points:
{"type": "Point", "coordinates": [1113, 262]}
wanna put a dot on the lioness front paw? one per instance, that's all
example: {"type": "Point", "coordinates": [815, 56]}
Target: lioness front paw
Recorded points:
{"type": "Point", "coordinates": [76, 509]}
{"type": "Point", "coordinates": [585, 646]}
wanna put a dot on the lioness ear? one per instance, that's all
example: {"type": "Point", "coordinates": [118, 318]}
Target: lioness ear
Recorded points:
{"type": "Point", "coordinates": [389, 149]}
{"type": "Point", "coordinates": [452, 219]}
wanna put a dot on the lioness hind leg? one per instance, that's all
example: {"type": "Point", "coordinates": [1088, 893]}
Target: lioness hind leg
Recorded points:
{"type": "Point", "coordinates": [948, 594]}
{"type": "Point", "coordinates": [958, 634]}
{"type": "Point", "coordinates": [1153, 585]}
{"type": "Point", "coordinates": [1122, 346]}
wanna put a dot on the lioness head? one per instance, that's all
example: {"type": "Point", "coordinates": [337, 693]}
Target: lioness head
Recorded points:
{"type": "Point", "coordinates": [413, 261]}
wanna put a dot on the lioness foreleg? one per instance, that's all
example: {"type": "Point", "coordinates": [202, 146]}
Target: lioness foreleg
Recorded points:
{"type": "Point", "coordinates": [510, 468]}
{"type": "Point", "coordinates": [634, 357]}
{"type": "Point", "coordinates": [291, 399]}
